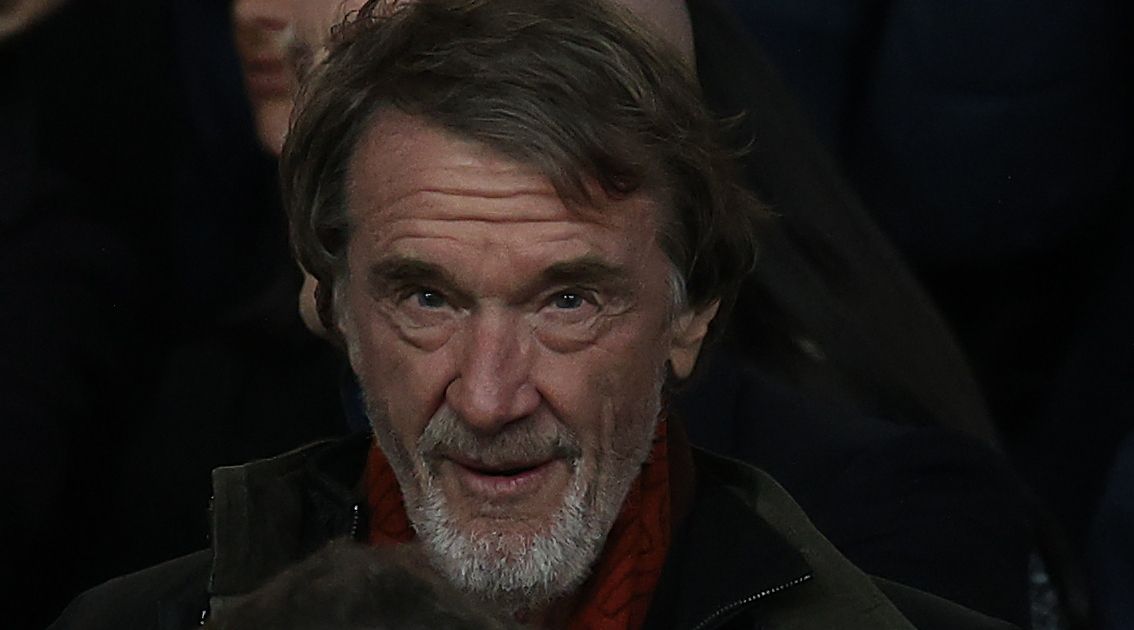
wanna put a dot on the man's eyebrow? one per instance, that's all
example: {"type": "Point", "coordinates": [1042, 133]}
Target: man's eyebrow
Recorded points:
{"type": "Point", "coordinates": [397, 271]}
{"type": "Point", "coordinates": [402, 270]}
{"type": "Point", "coordinates": [586, 270]}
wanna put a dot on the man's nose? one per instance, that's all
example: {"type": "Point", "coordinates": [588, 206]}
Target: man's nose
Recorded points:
{"type": "Point", "coordinates": [493, 387]}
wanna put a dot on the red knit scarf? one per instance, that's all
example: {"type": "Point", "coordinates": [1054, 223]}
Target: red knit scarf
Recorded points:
{"type": "Point", "coordinates": [618, 593]}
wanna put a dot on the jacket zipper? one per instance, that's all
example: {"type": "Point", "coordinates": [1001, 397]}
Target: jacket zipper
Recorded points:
{"type": "Point", "coordinates": [749, 600]}
{"type": "Point", "coordinates": [355, 517]}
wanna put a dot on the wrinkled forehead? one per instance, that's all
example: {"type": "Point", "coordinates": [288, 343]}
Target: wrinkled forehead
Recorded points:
{"type": "Point", "coordinates": [401, 158]}
{"type": "Point", "coordinates": [315, 18]}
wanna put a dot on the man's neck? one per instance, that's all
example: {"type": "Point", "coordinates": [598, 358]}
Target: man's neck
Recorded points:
{"type": "Point", "coordinates": [551, 617]}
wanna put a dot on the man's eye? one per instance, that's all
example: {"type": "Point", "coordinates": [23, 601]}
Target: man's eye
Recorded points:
{"type": "Point", "coordinates": [430, 299]}
{"type": "Point", "coordinates": [568, 301]}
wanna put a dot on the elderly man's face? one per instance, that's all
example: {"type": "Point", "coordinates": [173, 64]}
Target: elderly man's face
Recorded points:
{"type": "Point", "coordinates": [512, 350]}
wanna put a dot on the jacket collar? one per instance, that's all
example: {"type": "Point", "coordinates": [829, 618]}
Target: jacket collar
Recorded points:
{"type": "Point", "coordinates": [271, 513]}
{"type": "Point", "coordinates": [724, 559]}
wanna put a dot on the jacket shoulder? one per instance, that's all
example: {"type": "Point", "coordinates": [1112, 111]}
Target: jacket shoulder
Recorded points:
{"type": "Point", "coordinates": [168, 596]}
{"type": "Point", "coordinates": [877, 603]}
{"type": "Point", "coordinates": [930, 612]}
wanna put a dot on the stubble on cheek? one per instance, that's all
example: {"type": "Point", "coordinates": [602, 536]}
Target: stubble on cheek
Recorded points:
{"type": "Point", "coordinates": [380, 368]}
{"type": "Point", "coordinates": [627, 424]}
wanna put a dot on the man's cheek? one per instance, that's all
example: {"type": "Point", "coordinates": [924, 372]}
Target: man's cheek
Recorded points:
{"type": "Point", "coordinates": [413, 380]}
{"type": "Point", "coordinates": [630, 394]}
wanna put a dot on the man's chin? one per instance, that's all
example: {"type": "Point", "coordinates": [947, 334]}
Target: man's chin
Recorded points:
{"type": "Point", "coordinates": [515, 569]}
{"type": "Point", "coordinates": [499, 526]}
{"type": "Point", "coordinates": [513, 552]}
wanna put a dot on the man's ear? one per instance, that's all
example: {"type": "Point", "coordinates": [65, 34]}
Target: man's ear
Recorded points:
{"type": "Point", "coordinates": [308, 306]}
{"type": "Point", "coordinates": [689, 330]}
{"type": "Point", "coordinates": [325, 307]}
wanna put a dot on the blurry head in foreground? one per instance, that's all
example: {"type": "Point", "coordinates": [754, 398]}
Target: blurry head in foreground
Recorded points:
{"type": "Point", "coordinates": [522, 226]}
{"type": "Point", "coordinates": [348, 586]}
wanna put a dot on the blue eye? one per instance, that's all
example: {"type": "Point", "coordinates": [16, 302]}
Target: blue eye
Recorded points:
{"type": "Point", "coordinates": [430, 299]}
{"type": "Point", "coordinates": [568, 301]}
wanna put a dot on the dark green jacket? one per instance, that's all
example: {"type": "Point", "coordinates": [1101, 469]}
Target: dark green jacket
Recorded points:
{"type": "Point", "coordinates": [745, 557]}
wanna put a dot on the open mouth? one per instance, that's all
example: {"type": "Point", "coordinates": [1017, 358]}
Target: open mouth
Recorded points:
{"type": "Point", "coordinates": [506, 470]}
{"type": "Point", "coordinates": [503, 480]}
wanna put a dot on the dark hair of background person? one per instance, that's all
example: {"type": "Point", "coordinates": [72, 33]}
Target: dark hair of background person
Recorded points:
{"type": "Point", "coordinates": [352, 586]}
{"type": "Point", "coordinates": [646, 128]}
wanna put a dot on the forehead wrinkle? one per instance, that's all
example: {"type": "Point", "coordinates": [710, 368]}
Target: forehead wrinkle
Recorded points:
{"type": "Point", "coordinates": [475, 231]}
{"type": "Point", "coordinates": [409, 154]}
{"type": "Point", "coordinates": [452, 204]}
{"type": "Point", "coordinates": [436, 217]}
{"type": "Point", "coordinates": [394, 193]}
{"type": "Point", "coordinates": [394, 162]}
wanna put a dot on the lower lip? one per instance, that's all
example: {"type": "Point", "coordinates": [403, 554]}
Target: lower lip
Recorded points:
{"type": "Point", "coordinates": [504, 486]}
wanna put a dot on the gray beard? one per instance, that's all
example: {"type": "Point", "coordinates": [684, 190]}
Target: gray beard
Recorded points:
{"type": "Point", "coordinates": [514, 572]}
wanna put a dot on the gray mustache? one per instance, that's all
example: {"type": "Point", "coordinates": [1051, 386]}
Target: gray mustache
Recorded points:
{"type": "Point", "coordinates": [521, 441]}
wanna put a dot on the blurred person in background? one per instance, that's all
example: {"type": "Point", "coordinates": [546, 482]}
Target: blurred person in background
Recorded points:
{"type": "Point", "coordinates": [992, 143]}
{"type": "Point", "coordinates": [140, 345]}
{"type": "Point", "coordinates": [264, 35]}
{"type": "Point", "coordinates": [72, 281]}
{"type": "Point", "coordinates": [242, 378]}
{"type": "Point", "coordinates": [18, 15]}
